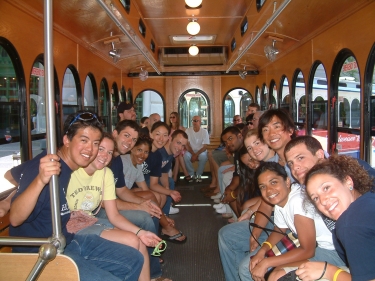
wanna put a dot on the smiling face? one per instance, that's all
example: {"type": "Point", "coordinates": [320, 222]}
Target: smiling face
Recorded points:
{"type": "Point", "coordinates": [160, 136]}
{"type": "Point", "coordinates": [250, 162]}
{"type": "Point", "coordinates": [125, 139]}
{"type": "Point", "coordinates": [331, 196]}
{"type": "Point", "coordinates": [300, 160]}
{"type": "Point", "coordinates": [139, 154]}
{"type": "Point", "coordinates": [275, 190]}
{"type": "Point", "coordinates": [177, 145]}
{"type": "Point", "coordinates": [257, 149]}
{"type": "Point", "coordinates": [105, 154]}
{"type": "Point", "coordinates": [275, 135]}
{"type": "Point", "coordinates": [83, 147]}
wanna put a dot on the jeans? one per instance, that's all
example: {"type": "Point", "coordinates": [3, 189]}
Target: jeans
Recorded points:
{"type": "Point", "coordinates": [234, 247]}
{"type": "Point", "coordinates": [144, 221]}
{"type": "Point", "coordinates": [202, 159]}
{"type": "Point", "coordinates": [98, 259]}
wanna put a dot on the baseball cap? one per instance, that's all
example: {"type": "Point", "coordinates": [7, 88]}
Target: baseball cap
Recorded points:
{"type": "Point", "coordinates": [124, 106]}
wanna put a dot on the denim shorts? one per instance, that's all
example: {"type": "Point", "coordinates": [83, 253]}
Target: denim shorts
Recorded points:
{"type": "Point", "coordinates": [97, 228]}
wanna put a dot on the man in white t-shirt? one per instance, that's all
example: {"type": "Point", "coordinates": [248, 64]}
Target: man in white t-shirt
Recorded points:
{"type": "Point", "coordinates": [196, 148]}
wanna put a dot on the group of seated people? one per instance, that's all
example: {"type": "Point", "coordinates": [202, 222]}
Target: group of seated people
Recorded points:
{"type": "Point", "coordinates": [122, 179]}
{"type": "Point", "coordinates": [280, 183]}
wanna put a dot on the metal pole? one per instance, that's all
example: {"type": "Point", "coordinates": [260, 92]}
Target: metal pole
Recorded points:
{"type": "Point", "coordinates": [50, 114]}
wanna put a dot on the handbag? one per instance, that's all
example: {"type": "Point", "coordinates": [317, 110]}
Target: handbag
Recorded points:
{"type": "Point", "coordinates": [80, 219]}
{"type": "Point", "coordinates": [287, 243]}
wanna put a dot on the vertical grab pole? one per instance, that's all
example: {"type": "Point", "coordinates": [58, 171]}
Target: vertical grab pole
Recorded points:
{"type": "Point", "coordinates": [57, 237]}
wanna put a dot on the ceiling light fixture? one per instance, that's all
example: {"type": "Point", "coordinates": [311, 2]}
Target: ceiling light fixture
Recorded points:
{"type": "Point", "coordinates": [193, 3]}
{"type": "Point", "coordinates": [271, 51]}
{"type": "Point", "coordinates": [143, 75]}
{"type": "Point", "coordinates": [193, 27]}
{"type": "Point", "coordinates": [193, 50]}
{"type": "Point", "coordinates": [243, 73]}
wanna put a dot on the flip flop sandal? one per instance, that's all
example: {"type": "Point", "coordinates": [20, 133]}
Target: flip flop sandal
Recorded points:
{"type": "Point", "coordinates": [188, 179]}
{"type": "Point", "coordinates": [173, 238]}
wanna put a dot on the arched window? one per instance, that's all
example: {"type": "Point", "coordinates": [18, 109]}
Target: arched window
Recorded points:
{"type": "Point", "coordinates": [12, 100]}
{"type": "Point", "coordinates": [285, 94]}
{"type": "Point", "coordinates": [264, 100]}
{"type": "Point", "coordinates": [319, 104]}
{"type": "Point", "coordinates": [71, 92]}
{"type": "Point", "coordinates": [273, 95]}
{"type": "Point", "coordinates": [192, 103]}
{"type": "Point", "coordinates": [369, 120]}
{"type": "Point", "coordinates": [104, 105]}
{"type": "Point", "coordinates": [346, 87]}
{"type": "Point", "coordinates": [114, 103]}
{"type": "Point", "coordinates": [38, 107]}
{"type": "Point", "coordinates": [149, 102]}
{"type": "Point", "coordinates": [235, 102]}
{"type": "Point", "coordinates": [90, 94]}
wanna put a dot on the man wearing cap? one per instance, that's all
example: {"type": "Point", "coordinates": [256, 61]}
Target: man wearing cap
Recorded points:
{"type": "Point", "coordinates": [126, 111]}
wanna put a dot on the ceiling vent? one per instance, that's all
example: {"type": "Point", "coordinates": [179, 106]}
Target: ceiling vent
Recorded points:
{"type": "Point", "coordinates": [179, 56]}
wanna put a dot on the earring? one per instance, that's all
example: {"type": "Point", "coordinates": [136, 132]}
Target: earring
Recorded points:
{"type": "Point", "coordinates": [350, 187]}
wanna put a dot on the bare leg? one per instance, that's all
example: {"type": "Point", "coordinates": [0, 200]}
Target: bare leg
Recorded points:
{"type": "Point", "coordinates": [169, 229]}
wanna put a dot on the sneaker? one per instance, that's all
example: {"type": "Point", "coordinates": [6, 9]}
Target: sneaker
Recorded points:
{"type": "Point", "coordinates": [217, 201]}
{"type": "Point", "coordinates": [217, 196]}
{"type": "Point", "coordinates": [221, 210]}
{"type": "Point", "coordinates": [199, 178]}
{"type": "Point", "coordinates": [218, 206]}
{"type": "Point", "coordinates": [173, 210]}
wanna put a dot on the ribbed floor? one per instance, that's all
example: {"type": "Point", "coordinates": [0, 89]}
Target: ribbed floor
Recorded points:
{"type": "Point", "coordinates": [198, 259]}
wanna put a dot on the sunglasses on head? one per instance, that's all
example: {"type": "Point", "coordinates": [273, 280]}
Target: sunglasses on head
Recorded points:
{"type": "Point", "coordinates": [84, 116]}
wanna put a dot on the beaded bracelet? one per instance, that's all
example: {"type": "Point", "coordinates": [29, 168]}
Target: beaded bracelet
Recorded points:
{"type": "Point", "coordinates": [324, 271]}
{"type": "Point", "coordinates": [231, 194]}
{"type": "Point", "coordinates": [138, 231]}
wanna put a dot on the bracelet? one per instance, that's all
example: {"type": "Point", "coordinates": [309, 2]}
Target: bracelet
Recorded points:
{"type": "Point", "coordinates": [138, 231]}
{"type": "Point", "coordinates": [324, 271]}
{"type": "Point", "coordinates": [337, 274]}
{"type": "Point", "coordinates": [231, 194]}
{"type": "Point", "coordinates": [267, 243]}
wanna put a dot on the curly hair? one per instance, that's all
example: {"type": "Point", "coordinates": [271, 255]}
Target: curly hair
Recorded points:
{"type": "Point", "coordinates": [341, 166]}
{"type": "Point", "coordinates": [144, 139]}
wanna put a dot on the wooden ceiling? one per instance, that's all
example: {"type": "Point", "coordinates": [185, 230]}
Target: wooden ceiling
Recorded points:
{"type": "Point", "coordinates": [91, 23]}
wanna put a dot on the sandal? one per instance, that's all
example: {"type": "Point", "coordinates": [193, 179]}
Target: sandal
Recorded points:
{"type": "Point", "coordinates": [173, 238]}
{"type": "Point", "coordinates": [188, 178]}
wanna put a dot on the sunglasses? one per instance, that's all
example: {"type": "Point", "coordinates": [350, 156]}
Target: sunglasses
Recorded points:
{"type": "Point", "coordinates": [160, 247]}
{"type": "Point", "coordinates": [84, 116]}
{"type": "Point", "coordinates": [195, 120]}
{"type": "Point", "coordinates": [249, 123]}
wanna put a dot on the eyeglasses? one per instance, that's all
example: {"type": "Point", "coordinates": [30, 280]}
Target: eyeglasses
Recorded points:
{"type": "Point", "coordinates": [84, 116]}
{"type": "Point", "coordinates": [158, 250]}
{"type": "Point", "coordinates": [196, 120]}
{"type": "Point", "coordinates": [172, 117]}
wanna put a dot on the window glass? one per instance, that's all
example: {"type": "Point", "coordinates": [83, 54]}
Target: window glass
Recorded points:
{"type": "Point", "coordinates": [348, 98]}
{"type": "Point", "coordinates": [194, 103]}
{"type": "Point", "coordinates": [264, 105]}
{"type": "Point", "coordinates": [273, 97]}
{"type": "Point", "coordinates": [37, 99]}
{"type": "Point", "coordinates": [299, 113]}
{"type": "Point", "coordinates": [149, 102]}
{"type": "Point", "coordinates": [103, 104]}
{"type": "Point", "coordinates": [235, 103]}
{"type": "Point", "coordinates": [9, 118]}
{"type": "Point", "coordinates": [88, 95]}
{"type": "Point", "coordinates": [257, 95]}
{"type": "Point", "coordinates": [285, 95]}
{"type": "Point", "coordinates": [69, 94]}
{"type": "Point", "coordinates": [114, 102]}
{"type": "Point", "coordinates": [372, 122]}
